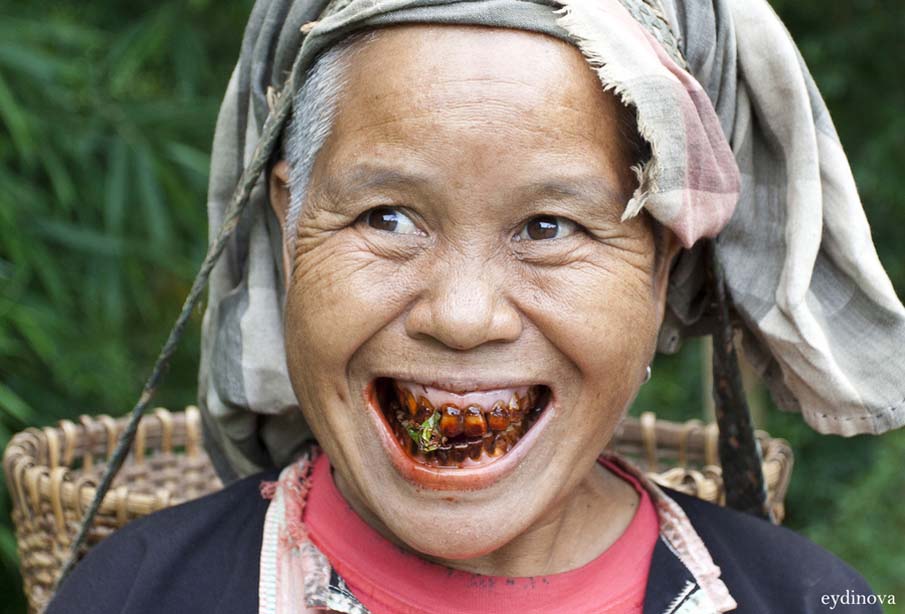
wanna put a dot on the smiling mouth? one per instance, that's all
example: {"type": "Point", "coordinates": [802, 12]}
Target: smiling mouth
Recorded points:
{"type": "Point", "coordinates": [442, 428]}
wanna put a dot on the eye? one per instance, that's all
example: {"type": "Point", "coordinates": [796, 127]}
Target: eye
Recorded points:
{"type": "Point", "coordinates": [544, 227]}
{"type": "Point", "coordinates": [391, 219]}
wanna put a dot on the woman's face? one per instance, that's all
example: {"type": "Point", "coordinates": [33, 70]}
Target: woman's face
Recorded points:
{"type": "Point", "coordinates": [461, 240]}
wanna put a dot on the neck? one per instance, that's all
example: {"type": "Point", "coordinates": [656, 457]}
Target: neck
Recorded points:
{"type": "Point", "coordinates": [572, 533]}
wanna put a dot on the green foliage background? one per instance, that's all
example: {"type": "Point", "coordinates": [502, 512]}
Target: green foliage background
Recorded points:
{"type": "Point", "coordinates": [106, 116]}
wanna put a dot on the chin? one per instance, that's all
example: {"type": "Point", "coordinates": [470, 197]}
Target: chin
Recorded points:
{"type": "Point", "coordinates": [453, 496]}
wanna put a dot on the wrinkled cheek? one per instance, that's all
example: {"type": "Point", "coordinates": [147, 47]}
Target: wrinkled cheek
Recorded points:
{"type": "Point", "coordinates": [338, 298]}
{"type": "Point", "coordinates": [605, 322]}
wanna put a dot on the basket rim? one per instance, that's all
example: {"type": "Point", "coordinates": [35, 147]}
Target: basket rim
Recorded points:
{"type": "Point", "coordinates": [31, 481]}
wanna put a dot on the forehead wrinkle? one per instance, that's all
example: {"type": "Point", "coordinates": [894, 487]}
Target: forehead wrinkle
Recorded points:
{"type": "Point", "coordinates": [426, 95]}
{"type": "Point", "coordinates": [476, 105]}
{"type": "Point", "coordinates": [472, 114]}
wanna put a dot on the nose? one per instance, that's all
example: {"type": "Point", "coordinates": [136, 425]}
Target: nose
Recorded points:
{"type": "Point", "coordinates": [463, 305]}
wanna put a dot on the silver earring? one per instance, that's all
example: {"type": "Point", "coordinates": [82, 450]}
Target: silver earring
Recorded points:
{"type": "Point", "coordinates": [646, 375]}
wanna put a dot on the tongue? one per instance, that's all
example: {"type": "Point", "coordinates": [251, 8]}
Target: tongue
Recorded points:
{"type": "Point", "coordinates": [482, 398]}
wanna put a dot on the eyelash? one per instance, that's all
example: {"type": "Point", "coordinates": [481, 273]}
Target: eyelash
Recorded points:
{"type": "Point", "coordinates": [548, 223]}
{"type": "Point", "coordinates": [562, 224]}
{"type": "Point", "coordinates": [367, 219]}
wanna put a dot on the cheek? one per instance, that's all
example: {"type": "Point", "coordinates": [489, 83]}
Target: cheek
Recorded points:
{"type": "Point", "coordinates": [602, 316]}
{"type": "Point", "coordinates": [340, 295]}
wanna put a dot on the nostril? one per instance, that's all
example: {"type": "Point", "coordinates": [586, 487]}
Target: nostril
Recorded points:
{"type": "Point", "coordinates": [464, 319]}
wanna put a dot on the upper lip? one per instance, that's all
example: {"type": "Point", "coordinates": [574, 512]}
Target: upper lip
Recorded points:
{"type": "Point", "coordinates": [463, 382]}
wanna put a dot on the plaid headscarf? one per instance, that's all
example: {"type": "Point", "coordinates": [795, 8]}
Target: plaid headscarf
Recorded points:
{"type": "Point", "coordinates": [743, 148]}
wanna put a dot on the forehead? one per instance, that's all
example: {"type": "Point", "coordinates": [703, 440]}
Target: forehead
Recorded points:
{"type": "Point", "coordinates": [470, 76]}
{"type": "Point", "coordinates": [398, 59]}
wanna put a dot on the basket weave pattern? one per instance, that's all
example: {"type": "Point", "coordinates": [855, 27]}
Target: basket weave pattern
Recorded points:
{"type": "Point", "coordinates": [52, 475]}
{"type": "Point", "coordinates": [684, 456]}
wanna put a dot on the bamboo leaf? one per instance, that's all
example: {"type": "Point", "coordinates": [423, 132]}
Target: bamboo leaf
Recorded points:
{"type": "Point", "coordinates": [15, 122]}
{"type": "Point", "coordinates": [13, 405]}
{"type": "Point", "coordinates": [117, 182]}
{"type": "Point", "coordinates": [81, 238]}
{"type": "Point", "coordinates": [33, 63]}
{"type": "Point", "coordinates": [60, 181]}
{"type": "Point", "coordinates": [189, 158]}
{"type": "Point", "coordinates": [44, 31]}
{"type": "Point", "coordinates": [152, 201]}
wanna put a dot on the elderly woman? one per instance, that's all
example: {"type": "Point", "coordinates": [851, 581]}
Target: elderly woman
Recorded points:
{"type": "Point", "coordinates": [477, 227]}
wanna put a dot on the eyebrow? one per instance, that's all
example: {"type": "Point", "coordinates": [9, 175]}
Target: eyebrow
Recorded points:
{"type": "Point", "coordinates": [363, 176]}
{"type": "Point", "coordinates": [588, 188]}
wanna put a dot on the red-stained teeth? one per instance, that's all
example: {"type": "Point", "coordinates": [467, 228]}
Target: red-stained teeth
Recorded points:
{"type": "Point", "coordinates": [500, 446]}
{"type": "Point", "coordinates": [452, 422]}
{"type": "Point", "coordinates": [406, 400]}
{"type": "Point", "coordinates": [475, 448]}
{"type": "Point", "coordinates": [459, 451]}
{"type": "Point", "coordinates": [451, 429]}
{"type": "Point", "coordinates": [498, 418]}
{"type": "Point", "coordinates": [475, 425]}
{"type": "Point", "coordinates": [439, 396]}
{"type": "Point", "coordinates": [489, 443]}
{"type": "Point", "coordinates": [409, 403]}
{"type": "Point", "coordinates": [424, 411]}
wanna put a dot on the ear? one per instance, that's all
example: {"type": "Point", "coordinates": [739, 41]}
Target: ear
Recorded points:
{"type": "Point", "coordinates": [669, 248]}
{"type": "Point", "coordinates": [279, 202]}
{"type": "Point", "coordinates": [279, 190]}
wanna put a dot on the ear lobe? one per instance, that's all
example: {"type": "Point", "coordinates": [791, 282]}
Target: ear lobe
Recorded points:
{"type": "Point", "coordinates": [279, 190]}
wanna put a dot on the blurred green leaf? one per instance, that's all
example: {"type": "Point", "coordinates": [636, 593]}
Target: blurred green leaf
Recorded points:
{"type": "Point", "coordinates": [13, 405]}
{"type": "Point", "coordinates": [107, 112]}
{"type": "Point", "coordinates": [15, 121]}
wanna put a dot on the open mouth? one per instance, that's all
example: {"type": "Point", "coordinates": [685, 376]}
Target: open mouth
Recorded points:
{"type": "Point", "coordinates": [442, 428]}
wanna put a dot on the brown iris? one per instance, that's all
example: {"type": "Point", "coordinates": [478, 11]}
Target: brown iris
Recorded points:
{"type": "Point", "coordinates": [383, 218]}
{"type": "Point", "coordinates": [542, 227]}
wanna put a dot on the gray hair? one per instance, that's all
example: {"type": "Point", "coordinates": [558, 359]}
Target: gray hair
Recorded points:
{"type": "Point", "coordinates": [313, 112]}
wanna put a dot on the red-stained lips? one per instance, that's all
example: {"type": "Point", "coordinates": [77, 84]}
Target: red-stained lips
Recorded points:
{"type": "Point", "coordinates": [435, 427]}
{"type": "Point", "coordinates": [470, 474]}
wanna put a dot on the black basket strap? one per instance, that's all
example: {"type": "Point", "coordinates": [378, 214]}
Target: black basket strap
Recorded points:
{"type": "Point", "coordinates": [739, 450]}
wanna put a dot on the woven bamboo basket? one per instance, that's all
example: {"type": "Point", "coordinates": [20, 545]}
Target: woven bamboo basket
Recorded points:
{"type": "Point", "coordinates": [52, 475]}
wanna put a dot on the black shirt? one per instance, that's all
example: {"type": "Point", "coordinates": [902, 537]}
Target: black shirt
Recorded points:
{"type": "Point", "coordinates": [203, 556]}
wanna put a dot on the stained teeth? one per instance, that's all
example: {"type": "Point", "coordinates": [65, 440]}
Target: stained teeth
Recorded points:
{"type": "Point", "coordinates": [489, 443]}
{"type": "Point", "coordinates": [475, 425]}
{"type": "Point", "coordinates": [408, 401]}
{"type": "Point", "coordinates": [498, 418]}
{"type": "Point", "coordinates": [424, 410]}
{"type": "Point", "coordinates": [452, 421]}
{"type": "Point", "coordinates": [434, 429]}
{"type": "Point", "coordinates": [475, 447]}
{"type": "Point", "coordinates": [501, 446]}
{"type": "Point", "coordinates": [459, 451]}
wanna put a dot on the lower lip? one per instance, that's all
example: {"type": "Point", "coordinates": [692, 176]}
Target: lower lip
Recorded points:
{"type": "Point", "coordinates": [454, 478]}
